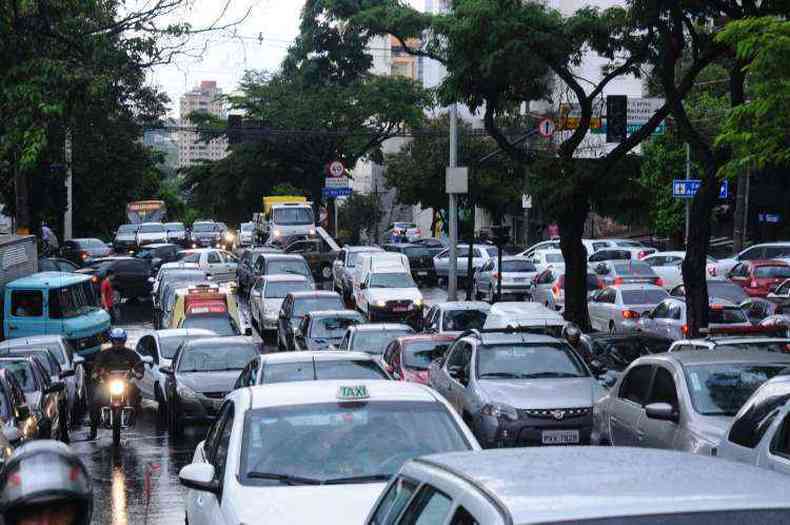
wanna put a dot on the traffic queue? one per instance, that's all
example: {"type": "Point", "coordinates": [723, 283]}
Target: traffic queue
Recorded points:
{"type": "Point", "coordinates": [335, 393]}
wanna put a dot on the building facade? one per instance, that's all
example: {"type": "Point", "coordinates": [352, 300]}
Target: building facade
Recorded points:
{"type": "Point", "coordinates": [204, 98]}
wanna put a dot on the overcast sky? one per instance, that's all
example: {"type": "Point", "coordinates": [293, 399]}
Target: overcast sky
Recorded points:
{"type": "Point", "coordinates": [229, 53]}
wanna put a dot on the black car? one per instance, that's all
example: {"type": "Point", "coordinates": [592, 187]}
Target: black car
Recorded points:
{"type": "Point", "coordinates": [158, 254]}
{"type": "Point", "coordinates": [420, 260]}
{"type": "Point", "coordinates": [83, 251]}
{"type": "Point", "coordinates": [56, 264]}
{"type": "Point", "coordinates": [245, 272]}
{"type": "Point", "coordinates": [125, 238]}
{"type": "Point", "coordinates": [204, 370]}
{"type": "Point", "coordinates": [131, 275]}
{"type": "Point", "coordinates": [295, 306]}
{"type": "Point", "coordinates": [609, 355]}
{"type": "Point", "coordinates": [320, 329]}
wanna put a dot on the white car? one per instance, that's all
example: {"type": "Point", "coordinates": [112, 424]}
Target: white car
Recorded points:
{"type": "Point", "coordinates": [314, 451]}
{"type": "Point", "coordinates": [220, 265]}
{"type": "Point", "coordinates": [617, 309]}
{"type": "Point", "coordinates": [151, 233]}
{"type": "Point", "coordinates": [773, 251]}
{"type": "Point", "coordinates": [267, 296]}
{"type": "Point", "coordinates": [637, 249]}
{"type": "Point", "coordinates": [545, 259]}
{"type": "Point", "coordinates": [246, 231]}
{"type": "Point", "coordinates": [544, 245]}
{"type": "Point", "coordinates": [523, 315]}
{"type": "Point", "coordinates": [167, 268]}
{"type": "Point", "coordinates": [389, 295]}
{"type": "Point", "coordinates": [667, 265]}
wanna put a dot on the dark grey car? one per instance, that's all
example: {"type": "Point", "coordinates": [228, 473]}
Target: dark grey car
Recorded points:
{"type": "Point", "coordinates": [518, 389]}
{"type": "Point", "coordinates": [295, 306]}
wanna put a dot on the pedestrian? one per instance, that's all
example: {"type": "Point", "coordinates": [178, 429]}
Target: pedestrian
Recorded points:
{"type": "Point", "coordinates": [51, 244]}
{"type": "Point", "coordinates": [108, 297]}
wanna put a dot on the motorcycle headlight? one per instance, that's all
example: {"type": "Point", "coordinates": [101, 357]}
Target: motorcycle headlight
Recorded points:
{"type": "Point", "coordinates": [276, 233]}
{"type": "Point", "coordinates": [418, 302]}
{"type": "Point", "coordinates": [117, 388]}
{"type": "Point", "coordinates": [228, 236]}
{"type": "Point", "coordinates": [381, 304]}
{"type": "Point", "coordinates": [186, 393]}
{"type": "Point", "coordinates": [500, 411]}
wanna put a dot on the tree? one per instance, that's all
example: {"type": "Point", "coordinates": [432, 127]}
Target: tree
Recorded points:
{"type": "Point", "coordinates": [359, 213]}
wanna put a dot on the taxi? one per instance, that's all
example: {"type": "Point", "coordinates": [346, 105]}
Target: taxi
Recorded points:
{"type": "Point", "coordinates": [330, 444]}
{"type": "Point", "coordinates": [210, 307]}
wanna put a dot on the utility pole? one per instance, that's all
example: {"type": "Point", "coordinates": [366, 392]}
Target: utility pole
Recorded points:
{"type": "Point", "coordinates": [68, 232]}
{"type": "Point", "coordinates": [452, 271]}
{"type": "Point", "coordinates": [688, 201]}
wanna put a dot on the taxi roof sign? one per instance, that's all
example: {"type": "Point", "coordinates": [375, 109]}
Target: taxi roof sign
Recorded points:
{"type": "Point", "coordinates": [352, 392]}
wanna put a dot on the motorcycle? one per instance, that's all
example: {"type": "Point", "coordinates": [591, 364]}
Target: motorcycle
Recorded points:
{"type": "Point", "coordinates": [118, 414]}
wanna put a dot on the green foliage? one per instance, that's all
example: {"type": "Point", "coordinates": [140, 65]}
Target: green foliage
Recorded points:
{"type": "Point", "coordinates": [665, 160]}
{"type": "Point", "coordinates": [357, 214]}
{"type": "Point", "coordinates": [286, 188]}
{"type": "Point", "coordinates": [757, 130]}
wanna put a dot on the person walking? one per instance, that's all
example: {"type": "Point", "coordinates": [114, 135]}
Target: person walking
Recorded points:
{"type": "Point", "coordinates": [108, 297]}
{"type": "Point", "coordinates": [51, 244]}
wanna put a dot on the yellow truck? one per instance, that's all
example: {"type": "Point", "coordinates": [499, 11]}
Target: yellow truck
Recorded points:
{"type": "Point", "coordinates": [285, 216]}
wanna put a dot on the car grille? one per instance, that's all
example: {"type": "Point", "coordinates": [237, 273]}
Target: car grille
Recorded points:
{"type": "Point", "coordinates": [82, 343]}
{"type": "Point", "coordinates": [215, 395]}
{"type": "Point", "coordinates": [398, 304]}
{"type": "Point", "coordinates": [557, 414]}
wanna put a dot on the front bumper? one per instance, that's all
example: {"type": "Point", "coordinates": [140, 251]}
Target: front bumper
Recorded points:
{"type": "Point", "coordinates": [527, 431]}
{"type": "Point", "coordinates": [205, 242]}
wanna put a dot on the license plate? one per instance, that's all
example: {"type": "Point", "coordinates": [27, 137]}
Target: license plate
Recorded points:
{"type": "Point", "coordinates": [400, 309]}
{"type": "Point", "coordinates": [560, 437]}
{"type": "Point", "coordinates": [422, 273]}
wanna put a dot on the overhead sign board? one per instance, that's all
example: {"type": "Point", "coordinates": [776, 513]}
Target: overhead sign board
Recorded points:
{"type": "Point", "coordinates": [640, 110]}
{"type": "Point", "coordinates": [457, 180]}
{"type": "Point", "coordinates": [687, 188]}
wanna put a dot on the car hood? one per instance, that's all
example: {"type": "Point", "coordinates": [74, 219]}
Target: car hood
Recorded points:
{"type": "Point", "coordinates": [541, 393]}
{"type": "Point", "coordinates": [209, 381]}
{"type": "Point", "coordinates": [86, 325]}
{"type": "Point", "coordinates": [393, 294]}
{"type": "Point", "coordinates": [333, 504]}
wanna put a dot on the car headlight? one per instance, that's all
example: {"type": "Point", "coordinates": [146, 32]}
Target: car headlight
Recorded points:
{"type": "Point", "coordinates": [276, 233]}
{"type": "Point", "coordinates": [185, 392]}
{"type": "Point", "coordinates": [312, 231]}
{"type": "Point", "coordinates": [228, 236]}
{"type": "Point", "coordinates": [500, 411]}
{"type": "Point", "coordinates": [418, 302]}
{"type": "Point", "coordinates": [117, 387]}
{"type": "Point", "coordinates": [381, 304]}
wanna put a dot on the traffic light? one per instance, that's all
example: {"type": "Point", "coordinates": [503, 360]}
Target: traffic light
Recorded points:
{"type": "Point", "coordinates": [616, 118]}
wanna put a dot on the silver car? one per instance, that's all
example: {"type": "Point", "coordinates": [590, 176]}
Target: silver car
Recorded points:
{"type": "Point", "coordinates": [668, 319]}
{"type": "Point", "coordinates": [745, 343]}
{"type": "Point", "coordinates": [481, 253]}
{"type": "Point", "coordinates": [549, 287]}
{"type": "Point", "coordinates": [518, 389]}
{"type": "Point", "coordinates": [682, 400]}
{"type": "Point", "coordinates": [617, 309]}
{"type": "Point", "coordinates": [267, 296]}
{"type": "Point", "coordinates": [372, 338]}
{"type": "Point", "coordinates": [343, 268]}
{"type": "Point", "coordinates": [760, 432]}
{"type": "Point", "coordinates": [285, 367]}
{"type": "Point", "coordinates": [625, 272]}
{"type": "Point", "coordinates": [455, 317]}
{"type": "Point", "coordinates": [552, 485]}
{"type": "Point", "coordinates": [517, 274]}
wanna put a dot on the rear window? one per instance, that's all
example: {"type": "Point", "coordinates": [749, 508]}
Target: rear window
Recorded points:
{"type": "Point", "coordinates": [292, 267]}
{"type": "Point", "coordinates": [772, 272]}
{"type": "Point", "coordinates": [554, 258]}
{"type": "Point", "coordinates": [332, 327]}
{"type": "Point", "coordinates": [174, 227]}
{"type": "Point", "coordinates": [518, 267]}
{"type": "Point", "coordinates": [633, 268]}
{"type": "Point", "coordinates": [152, 228]}
{"type": "Point", "coordinates": [222, 325]}
{"type": "Point", "coordinates": [205, 227]}
{"type": "Point", "coordinates": [127, 228]}
{"type": "Point", "coordinates": [726, 316]}
{"type": "Point", "coordinates": [629, 244]}
{"type": "Point", "coordinates": [310, 304]}
{"type": "Point", "coordinates": [278, 290]}
{"type": "Point", "coordinates": [727, 290]}
{"type": "Point", "coordinates": [417, 252]}
{"type": "Point", "coordinates": [90, 243]}
{"type": "Point", "coordinates": [643, 296]}
{"type": "Point", "coordinates": [461, 320]}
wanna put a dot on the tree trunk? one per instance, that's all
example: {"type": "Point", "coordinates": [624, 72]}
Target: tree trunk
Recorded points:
{"type": "Point", "coordinates": [739, 220]}
{"type": "Point", "coordinates": [571, 225]}
{"type": "Point", "coordinates": [22, 200]}
{"type": "Point", "coordinates": [694, 275]}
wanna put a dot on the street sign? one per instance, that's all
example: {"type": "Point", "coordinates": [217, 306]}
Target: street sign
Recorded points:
{"type": "Point", "coordinates": [687, 188]}
{"type": "Point", "coordinates": [546, 127]}
{"type": "Point", "coordinates": [337, 182]}
{"type": "Point", "coordinates": [331, 193]}
{"type": "Point", "coordinates": [456, 180]}
{"type": "Point", "coordinates": [336, 169]}
{"type": "Point", "coordinates": [639, 111]}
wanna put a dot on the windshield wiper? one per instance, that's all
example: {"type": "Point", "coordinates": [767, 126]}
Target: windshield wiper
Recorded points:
{"type": "Point", "coordinates": [549, 374]}
{"type": "Point", "coordinates": [507, 375]}
{"type": "Point", "coordinates": [357, 479]}
{"type": "Point", "coordinates": [285, 478]}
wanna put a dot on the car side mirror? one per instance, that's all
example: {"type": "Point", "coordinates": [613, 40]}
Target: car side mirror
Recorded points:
{"type": "Point", "coordinates": [167, 370]}
{"type": "Point", "coordinates": [608, 380]}
{"type": "Point", "coordinates": [147, 359]}
{"type": "Point", "coordinates": [55, 388]}
{"type": "Point", "coordinates": [662, 412]}
{"type": "Point", "coordinates": [199, 476]}
{"type": "Point", "coordinates": [66, 373]}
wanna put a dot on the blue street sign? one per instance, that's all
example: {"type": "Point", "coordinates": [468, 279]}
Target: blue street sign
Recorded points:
{"type": "Point", "coordinates": [687, 188]}
{"type": "Point", "coordinates": [330, 193]}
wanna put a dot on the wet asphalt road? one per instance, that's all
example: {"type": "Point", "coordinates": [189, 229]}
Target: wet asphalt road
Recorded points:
{"type": "Point", "coordinates": [139, 484]}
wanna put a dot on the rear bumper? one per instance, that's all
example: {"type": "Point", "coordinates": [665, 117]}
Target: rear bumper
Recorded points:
{"type": "Point", "coordinates": [384, 315]}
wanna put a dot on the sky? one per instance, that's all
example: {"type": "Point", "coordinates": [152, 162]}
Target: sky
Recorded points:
{"type": "Point", "coordinates": [260, 41]}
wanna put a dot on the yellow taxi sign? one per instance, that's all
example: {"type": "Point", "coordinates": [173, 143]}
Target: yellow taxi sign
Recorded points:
{"type": "Point", "coordinates": [352, 392]}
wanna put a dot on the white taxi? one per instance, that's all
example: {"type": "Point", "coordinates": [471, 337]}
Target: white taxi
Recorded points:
{"type": "Point", "coordinates": [314, 452]}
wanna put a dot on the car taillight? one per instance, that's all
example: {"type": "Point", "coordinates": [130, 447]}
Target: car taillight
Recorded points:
{"type": "Point", "coordinates": [659, 282]}
{"type": "Point", "coordinates": [618, 280]}
{"type": "Point", "coordinates": [84, 255]}
{"type": "Point", "coordinates": [642, 254]}
{"type": "Point", "coordinates": [418, 231]}
{"type": "Point", "coordinates": [555, 290]}
{"type": "Point", "coordinates": [685, 329]}
{"type": "Point", "coordinates": [753, 284]}
{"type": "Point", "coordinates": [630, 314]}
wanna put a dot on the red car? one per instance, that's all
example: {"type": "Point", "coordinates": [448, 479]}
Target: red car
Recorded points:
{"type": "Point", "coordinates": [408, 358]}
{"type": "Point", "coordinates": [758, 278]}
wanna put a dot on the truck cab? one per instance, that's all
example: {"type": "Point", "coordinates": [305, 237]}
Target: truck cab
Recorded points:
{"type": "Point", "coordinates": [55, 303]}
{"type": "Point", "coordinates": [286, 217]}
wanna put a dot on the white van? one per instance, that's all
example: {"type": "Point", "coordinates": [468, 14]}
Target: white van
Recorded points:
{"type": "Point", "coordinates": [376, 262]}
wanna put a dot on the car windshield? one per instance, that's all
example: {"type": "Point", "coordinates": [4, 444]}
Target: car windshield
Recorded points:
{"type": "Point", "coordinates": [772, 272]}
{"type": "Point", "coordinates": [216, 358]}
{"type": "Point", "coordinates": [528, 361]}
{"type": "Point", "coordinates": [314, 304]}
{"type": "Point", "coordinates": [278, 290]}
{"type": "Point", "coordinates": [152, 228]}
{"type": "Point", "coordinates": [460, 320]}
{"type": "Point", "coordinates": [292, 267]}
{"type": "Point", "coordinates": [726, 290]}
{"type": "Point", "coordinates": [292, 216]}
{"type": "Point", "coordinates": [721, 389]}
{"type": "Point", "coordinates": [391, 280]}
{"type": "Point", "coordinates": [417, 251]}
{"type": "Point", "coordinates": [127, 228]}
{"type": "Point", "coordinates": [341, 443]}
{"type": "Point", "coordinates": [322, 370]}
{"type": "Point", "coordinates": [23, 373]}
{"type": "Point", "coordinates": [420, 354]}
{"type": "Point", "coordinates": [727, 316]}
{"type": "Point", "coordinates": [375, 341]}
{"type": "Point", "coordinates": [760, 346]}
{"type": "Point", "coordinates": [174, 227]}
{"type": "Point", "coordinates": [72, 301]}
{"type": "Point", "coordinates": [633, 268]}
{"type": "Point", "coordinates": [332, 327]}
{"type": "Point", "coordinates": [353, 256]}
{"type": "Point", "coordinates": [205, 227]}
{"type": "Point", "coordinates": [247, 227]}
{"type": "Point", "coordinates": [222, 325]}
{"type": "Point", "coordinates": [643, 296]}
{"type": "Point", "coordinates": [170, 344]}
{"type": "Point", "coordinates": [518, 267]}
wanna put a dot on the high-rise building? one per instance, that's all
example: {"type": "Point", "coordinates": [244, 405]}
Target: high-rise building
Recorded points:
{"type": "Point", "coordinates": [205, 98]}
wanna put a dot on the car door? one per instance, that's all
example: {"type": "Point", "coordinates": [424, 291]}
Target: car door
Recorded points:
{"type": "Point", "coordinates": [740, 274]}
{"type": "Point", "coordinates": [146, 346]}
{"type": "Point", "coordinates": [778, 448]}
{"type": "Point", "coordinates": [626, 406]}
{"type": "Point", "coordinates": [650, 322]}
{"type": "Point", "coordinates": [25, 313]}
{"type": "Point", "coordinates": [215, 266]}
{"type": "Point", "coordinates": [440, 377]}
{"type": "Point", "coordinates": [458, 371]}
{"type": "Point", "coordinates": [256, 299]}
{"type": "Point", "coordinates": [230, 265]}
{"type": "Point", "coordinates": [656, 433]}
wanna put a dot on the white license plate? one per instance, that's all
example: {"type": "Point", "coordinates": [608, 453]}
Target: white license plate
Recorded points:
{"type": "Point", "coordinates": [560, 437]}
{"type": "Point", "coordinates": [422, 273]}
{"type": "Point", "coordinates": [400, 309]}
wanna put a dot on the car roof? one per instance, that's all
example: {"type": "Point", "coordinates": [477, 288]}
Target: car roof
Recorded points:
{"type": "Point", "coordinates": [322, 355]}
{"type": "Point", "coordinates": [49, 279]}
{"type": "Point", "coordinates": [182, 332]}
{"type": "Point", "coordinates": [605, 336]}
{"type": "Point", "coordinates": [493, 338]}
{"type": "Point", "coordinates": [283, 277]}
{"type": "Point", "coordinates": [548, 484]}
{"type": "Point", "coordinates": [21, 342]}
{"type": "Point", "coordinates": [523, 310]}
{"type": "Point", "coordinates": [724, 356]}
{"type": "Point", "coordinates": [312, 392]}
{"type": "Point", "coordinates": [636, 286]}
{"type": "Point", "coordinates": [379, 327]}
{"type": "Point", "coordinates": [220, 341]}
{"type": "Point", "coordinates": [463, 305]}
{"type": "Point", "coordinates": [322, 314]}
{"type": "Point", "coordinates": [313, 293]}
{"type": "Point", "coordinates": [281, 256]}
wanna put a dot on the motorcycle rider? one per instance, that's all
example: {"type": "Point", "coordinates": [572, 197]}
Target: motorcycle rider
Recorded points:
{"type": "Point", "coordinates": [45, 483]}
{"type": "Point", "coordinates": [117, 357]}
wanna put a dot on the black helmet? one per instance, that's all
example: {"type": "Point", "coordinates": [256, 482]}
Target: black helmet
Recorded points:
{"type": "Point", "coordinates": [45, 475]}
{"type": "Point", "coordinates": [572, 333]}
